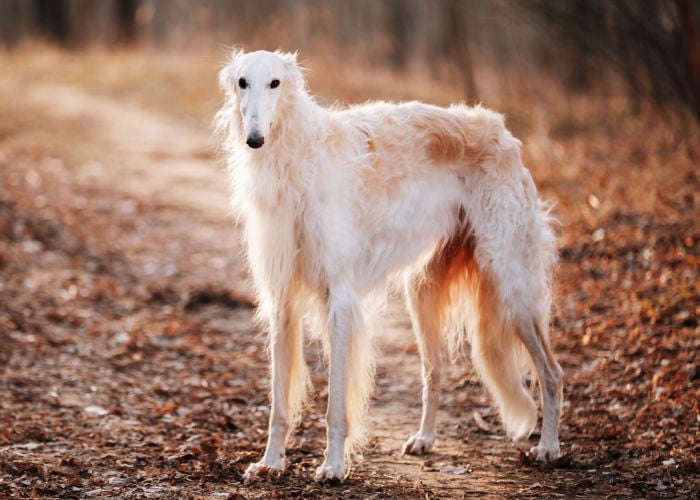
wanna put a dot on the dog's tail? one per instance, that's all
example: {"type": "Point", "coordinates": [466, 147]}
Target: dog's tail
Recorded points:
{"type": "Point", "coordinates": [497, 353]}
{"type": "Point", "coordinates": [500, 359]}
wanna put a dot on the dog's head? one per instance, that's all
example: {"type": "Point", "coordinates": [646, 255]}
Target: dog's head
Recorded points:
{"type": "Point", "coordinates": [260, 84]}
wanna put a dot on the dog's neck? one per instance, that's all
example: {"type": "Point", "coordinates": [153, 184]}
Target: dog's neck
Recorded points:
{"type": "Point", "coordinates": [301, 121]}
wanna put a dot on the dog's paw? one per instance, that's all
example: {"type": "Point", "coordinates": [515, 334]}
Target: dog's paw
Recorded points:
{"type": "Point", "coordinates": [544, 454]}
{"type": "Point", "coordinates": [331, 473]}
{"type": "Point", "coordinates": [259, 469]}
{"type": "Point", "coordinates": [418, 444]}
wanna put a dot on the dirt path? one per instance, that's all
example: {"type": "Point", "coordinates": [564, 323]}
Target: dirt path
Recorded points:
{"type": "Point", "coordinates": [167, 177]}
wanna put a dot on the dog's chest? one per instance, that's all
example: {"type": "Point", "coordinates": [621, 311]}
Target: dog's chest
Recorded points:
{"type": "Point", "coordinates": [273, 187]}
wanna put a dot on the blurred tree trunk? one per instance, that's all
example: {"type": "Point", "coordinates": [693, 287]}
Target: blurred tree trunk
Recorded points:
{"type": "Point", "coordinates": [401, 26]}
{"type": "Point", "coordinates": [458, 45]}
{"type": "Point", "coordinates": [126, 20]}
{"type": "Point", "coordinates": [15, 21]}
{"type": "Point", "coordinates": [690, 48]}
{"type": "Point", "coordinates": [52, 19]}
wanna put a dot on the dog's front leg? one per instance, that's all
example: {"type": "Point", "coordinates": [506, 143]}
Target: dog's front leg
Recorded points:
{"type": "Point", "coordinates": [333, 468]}
{"type": "Point", "coordinates": [281, 351]}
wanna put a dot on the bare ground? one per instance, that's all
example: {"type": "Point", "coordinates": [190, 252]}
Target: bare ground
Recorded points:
{"type": "Point", "coordinates": [131, 366]}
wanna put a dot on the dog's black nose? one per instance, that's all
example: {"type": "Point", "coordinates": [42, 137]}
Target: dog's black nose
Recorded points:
{"type": "Point", "coordinates": [255, 141]}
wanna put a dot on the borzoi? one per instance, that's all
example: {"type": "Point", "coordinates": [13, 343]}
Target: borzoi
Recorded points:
{"type": "Point", "coordinates": [337, 202]}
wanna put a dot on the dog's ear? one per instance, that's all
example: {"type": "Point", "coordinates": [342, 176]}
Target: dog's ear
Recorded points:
{"type": "Point", "coordinates": [294, 70]}
{"type": "Point", "coordinates": [228, 72]}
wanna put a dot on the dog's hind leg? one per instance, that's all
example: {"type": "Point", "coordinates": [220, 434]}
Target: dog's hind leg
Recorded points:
{"type": "Point", "coordinates": [550, 375]}
{"type": "Point", "coordinates": [450, 275]}
{"type": "Point", "coordinates": [422, 299]}
{"type": "Point", "coordinates": [289, 383]}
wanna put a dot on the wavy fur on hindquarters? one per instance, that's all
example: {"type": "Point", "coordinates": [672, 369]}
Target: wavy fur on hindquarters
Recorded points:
{"type": "Point", "coordinates": [338, 200]}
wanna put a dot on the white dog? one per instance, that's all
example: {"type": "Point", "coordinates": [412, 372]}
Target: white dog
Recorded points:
{"type": "Point", "coordinates": [335, 202]}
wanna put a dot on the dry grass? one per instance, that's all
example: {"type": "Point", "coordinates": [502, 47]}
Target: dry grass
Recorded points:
{"type": "Point", "coordinates": [183, 85]}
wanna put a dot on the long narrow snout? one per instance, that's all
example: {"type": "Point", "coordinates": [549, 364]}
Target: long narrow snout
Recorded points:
{"type": "Point", "coordinates": [254, 133]}
{"type": "Point", "coordinates": [258, 103]}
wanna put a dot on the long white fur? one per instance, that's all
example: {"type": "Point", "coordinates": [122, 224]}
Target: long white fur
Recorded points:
{"type": "Point", "coordinates": [336, 202]}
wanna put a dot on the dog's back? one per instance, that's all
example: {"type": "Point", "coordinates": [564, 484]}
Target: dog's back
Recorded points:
{"type": "Point", "coordinates": [422, 135]}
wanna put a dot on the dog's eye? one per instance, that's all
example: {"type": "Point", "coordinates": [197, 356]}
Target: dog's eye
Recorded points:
{"type": "Point", "coordinates": [242, 83]}
{"type": "Point", "coordinates": [274, 83]}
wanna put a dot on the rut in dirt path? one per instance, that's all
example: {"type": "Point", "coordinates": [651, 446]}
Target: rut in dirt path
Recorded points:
{"type": "Point", "coordinates": [147, 155]}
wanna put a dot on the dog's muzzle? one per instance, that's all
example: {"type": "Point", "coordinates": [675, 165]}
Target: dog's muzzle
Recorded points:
{"type": "Point", "coordinates": [255, 140]}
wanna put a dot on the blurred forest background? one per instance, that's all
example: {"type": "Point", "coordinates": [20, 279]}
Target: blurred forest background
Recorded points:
{"type": "Point", "coordinates": [130, 362]}
{"type": "Point", "coordinates": [654, 45]}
